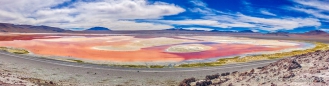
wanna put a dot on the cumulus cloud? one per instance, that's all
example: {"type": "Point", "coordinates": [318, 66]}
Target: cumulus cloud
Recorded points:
{"type": "Point", "coordinates": [113, 14]}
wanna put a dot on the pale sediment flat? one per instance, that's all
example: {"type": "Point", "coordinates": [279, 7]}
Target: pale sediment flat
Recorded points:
{"type": "Point", "coordinates": [188, 48]}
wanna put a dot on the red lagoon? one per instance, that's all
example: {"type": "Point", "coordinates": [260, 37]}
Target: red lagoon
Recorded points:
{"type": "Point", "coordinates": [146, 49]}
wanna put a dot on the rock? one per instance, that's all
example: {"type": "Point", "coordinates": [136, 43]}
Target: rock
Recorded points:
{"type": "Point", "coordinates": [317, 79]}
{"type": "Point", "coordinates": [307, 60]}
{"type": "Point", "coordinates": [234, 72]}
{"type": "Point", "coordinates": [216, 80]}
{"type": "Point", "coordinates": [225, 74]}
{"type": "Point", "coordinates": [272, 84]}
{"type": "Point", "coordinates": [243, 74]}
{"type": "Point", "coordinates": [264, 72]}
{"type": "Point", "coordinates": [314, 71]}
{"type": "Point", "coordinates": [210, 77]}
{"type": "Point", "coordinates": [228, 73]}
{"type": "Point", "coordinates": [260, 67]}
{"type": "Point", "coordinates": [294, 65]}
{"type": "Point", "coordinates": [51, 82]}
{"type": "Point", "coordinates": [252, 71]}
{"type": "Point", "coordinates": [223, 81]}
{"type": "Point", "coordinates": [320, 58]}
{"type": "Point", "coordinates": [289, 75]}
{"type": "Point", "coordinates": [323, 68]}
{"type": "Point", "coordinates": [186, 82]}
{"type": "Point", "coordinates": [327, 60]}
{"type": "Point", "coordinates": [204, 83]}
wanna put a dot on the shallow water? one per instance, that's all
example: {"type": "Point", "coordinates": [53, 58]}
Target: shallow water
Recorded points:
{"type": "Point", "coordinates": [151, 51]}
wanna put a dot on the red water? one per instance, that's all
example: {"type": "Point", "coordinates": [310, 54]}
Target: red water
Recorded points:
{"type": "Point", "coordinates": [82, 49]}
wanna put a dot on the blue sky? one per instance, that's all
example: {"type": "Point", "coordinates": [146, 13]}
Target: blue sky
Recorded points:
{"type": "Point", "coordinates": [233, 15]}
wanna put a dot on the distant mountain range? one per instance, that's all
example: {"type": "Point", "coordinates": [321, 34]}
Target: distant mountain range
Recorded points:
{"type": "Point", "coordinates": [5, 27]}
{"type": "Point", "coordinates": [279, 33]}
{"type": "Point", "coordinates": [316, 32]}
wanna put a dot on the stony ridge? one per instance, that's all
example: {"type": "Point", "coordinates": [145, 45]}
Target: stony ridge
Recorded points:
{"type": "Point", "coordinates": [306, 69]}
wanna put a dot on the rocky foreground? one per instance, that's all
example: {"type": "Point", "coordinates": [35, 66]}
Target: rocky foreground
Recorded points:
{"type": "Point", "coordinates": [309, 69]}
{"type": "Point", "coordinates": [8, 78]}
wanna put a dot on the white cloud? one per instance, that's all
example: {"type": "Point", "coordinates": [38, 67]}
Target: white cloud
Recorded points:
{"type": "Point", "coordinates": [240, 20]}
{"type": "Point", "coordinates": [229, 20]}
{"type": "Point", "coordinates": [121, 15]}
{"type": "Point", "coordinates": [126, 9]}
{"type": "Point", "coordinates": [202, 8]}
{"type": "Point", "coordinates": [107, 13]}
{"type": "Point", "coordinates": [198, 28]}
{"type": "Point", "coordinates": [188, 22]}
{"type": "Point", "coordinates": [325, 29]}
{"type": "Point", "coordinates": [265, 12]}
{"type": "Point", "coordinates": [198, 3]}
{"type": "Point", "coordinates": [204, 22]}
{"type": "Point", "coordinates": [315, 13]}
{"type": "Point", "coordinates": [271, 24]}
{"type": "Point", "coordinates": [255, 30]}
{"type": "Point", "coordinates": [317, 8]}
{"type": "Point", "coordinates": [27, 6]}
{"type": "Point", "coordinates": [319, 4]}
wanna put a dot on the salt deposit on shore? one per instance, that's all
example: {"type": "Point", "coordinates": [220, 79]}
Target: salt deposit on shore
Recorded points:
{"type": "Point", "coordinates": [188, 48]}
